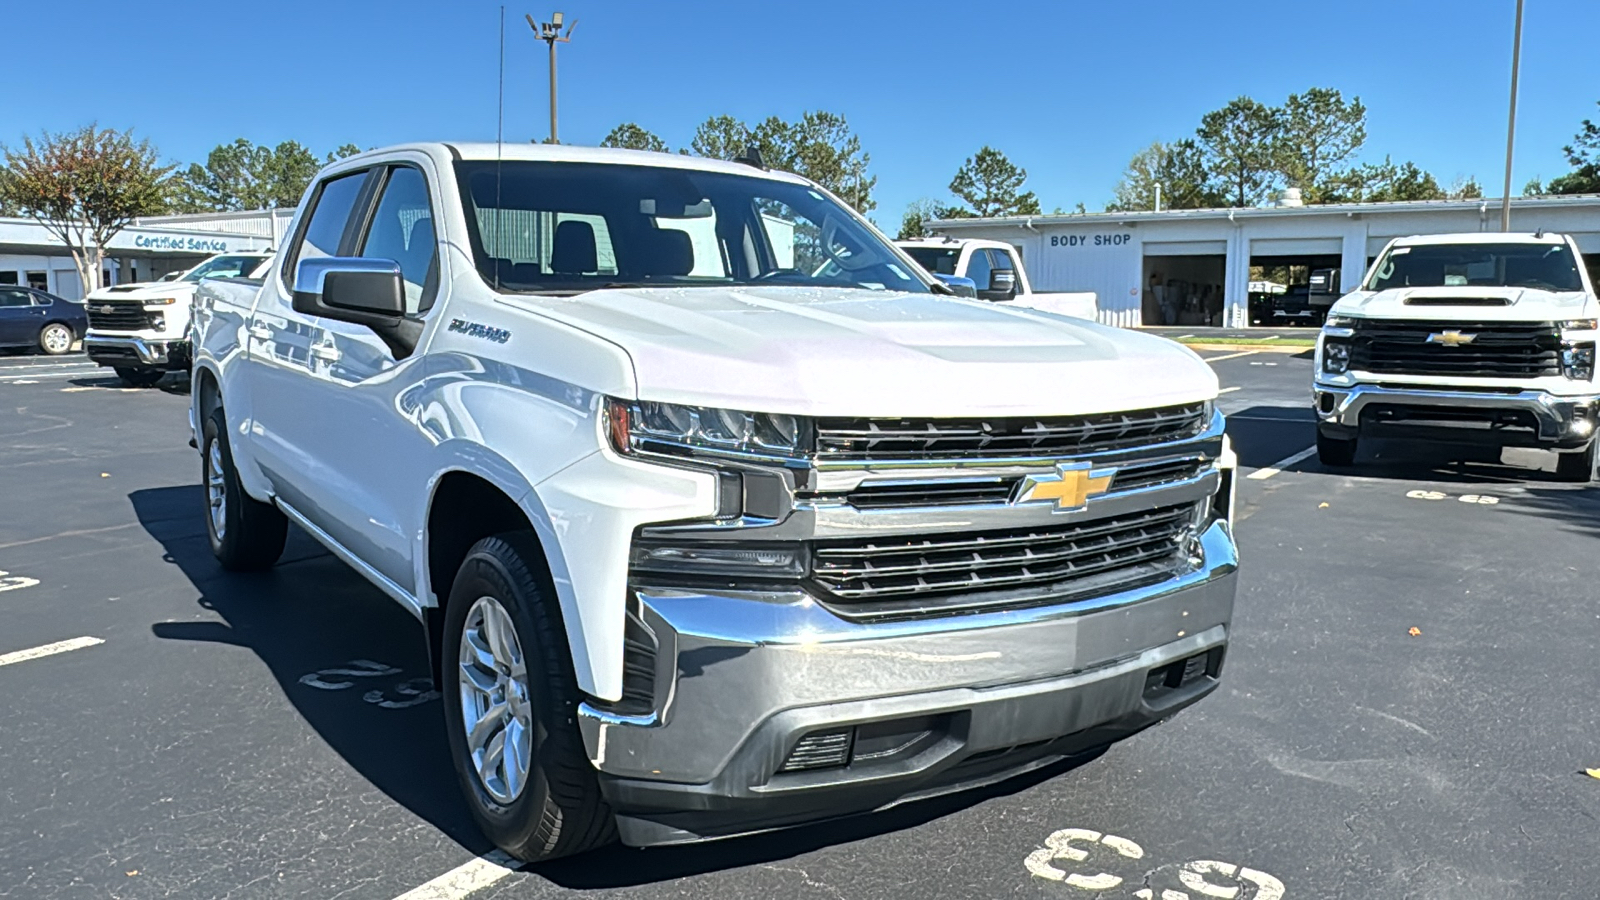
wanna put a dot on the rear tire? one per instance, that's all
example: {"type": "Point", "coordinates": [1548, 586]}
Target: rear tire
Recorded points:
{"type": "Point", "coordinates": [1333, 451]}
{"type": "Point", "coordinates": [246, 534]}
{"type": "Point", "coordinates": [552, 807]}
{"type": "Point", "coordinates": [140, 378]}
{"type": "Point", "coordinates": [1578, 465]}
{"type": "Point", "coordinates": [55, 339]}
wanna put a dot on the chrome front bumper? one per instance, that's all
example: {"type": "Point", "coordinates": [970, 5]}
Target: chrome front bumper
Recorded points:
{"type": "Point", "coordinates": [133, 351]}
{"type": "Point", "coordinates": [1561, 420]}
{"type": "Point", "coordinates": [740, 678]}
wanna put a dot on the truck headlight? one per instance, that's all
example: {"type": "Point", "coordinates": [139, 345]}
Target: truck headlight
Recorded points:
{"type": "Point", "coordinates": [1579, 325]}
{"type": "Point", "coordinates": [672, 428]}
{"type": "Point", "coordinates": [1338, 322]}
{"type": "Point", "coordinates": [1336, 357]}
{"type": "Point", "coordinates": [158, 322]}
{"type": "Point", "coordinates": [160, 301]}
{"type": "Point", "coordinates": [1577, 361]}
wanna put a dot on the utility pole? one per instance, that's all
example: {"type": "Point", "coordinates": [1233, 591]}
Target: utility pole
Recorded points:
{"type": "Point", "coordinates": [1511, 129]}
{"type": "Point", "coordinates": [550, 33]}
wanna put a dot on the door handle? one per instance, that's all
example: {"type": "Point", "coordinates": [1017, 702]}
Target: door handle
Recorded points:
{"type": "Point", "coordinates": [326, 353]}
{"type": "Point", "coordinates": [260, 332]}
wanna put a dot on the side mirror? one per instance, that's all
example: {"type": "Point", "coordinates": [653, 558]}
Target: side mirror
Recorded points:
{"type": "Point", "coordinates": [362, 291]}
{"type": "Point", "coordinates": [962, 286]}
{"type": "Point", "coordinates": [1002, 285]}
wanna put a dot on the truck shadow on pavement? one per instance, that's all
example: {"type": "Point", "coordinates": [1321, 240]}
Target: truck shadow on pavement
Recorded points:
{"type": "Point", "coordinates": [351, 661]}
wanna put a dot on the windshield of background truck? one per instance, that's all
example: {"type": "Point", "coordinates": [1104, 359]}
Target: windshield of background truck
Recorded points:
{"type": "Point", "coordinates": [940, 260]}
{"type": "Point", "coordinates": [223, 267]}
{"type": "Point", "coordinates": [567, 228]}
{"type": "Point", "coordinates": [1545, 267]}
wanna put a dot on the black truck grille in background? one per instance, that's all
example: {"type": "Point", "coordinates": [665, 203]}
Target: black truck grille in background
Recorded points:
{"type": "Point", "coordinates": [119, 315]}
{"type": "Point", "coordinates": [1496, 350]}
{"type": "Point", "coordinates": [899, 576]}
{"type": "Point", "coordinates": [890, 439]}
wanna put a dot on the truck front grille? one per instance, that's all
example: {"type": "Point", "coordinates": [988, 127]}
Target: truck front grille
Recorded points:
{"type": "Point", "coordinates": [989, 491]}
{"type": "Point", "coordinates": [897, 439]}
{"type": "Point", "coordinates": [1495, 350]}
{"type": "Point", "coordinates": [119, 315]}
{"type": "Point", "coordinates": [910, 576]}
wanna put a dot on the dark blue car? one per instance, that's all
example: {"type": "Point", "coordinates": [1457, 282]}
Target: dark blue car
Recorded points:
{"type": "Point", "coordinates": [30, 318]}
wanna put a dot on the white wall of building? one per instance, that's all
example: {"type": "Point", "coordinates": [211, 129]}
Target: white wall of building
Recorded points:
{"type": "Point", "coordinates": [1106, 252]}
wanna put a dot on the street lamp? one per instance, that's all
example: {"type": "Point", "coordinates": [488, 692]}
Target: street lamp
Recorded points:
{"type": "Point", "coordinates": [550, 33]}
{"type": "Point", "coordinates": [1511, 128]}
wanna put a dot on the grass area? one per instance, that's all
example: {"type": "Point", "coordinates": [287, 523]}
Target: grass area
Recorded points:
{"type": "Point", "coordinates": [1249, 342]}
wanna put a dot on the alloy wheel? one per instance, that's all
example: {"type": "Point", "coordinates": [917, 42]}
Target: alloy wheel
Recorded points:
{"type": "Point", "coordinates": [495, 708]}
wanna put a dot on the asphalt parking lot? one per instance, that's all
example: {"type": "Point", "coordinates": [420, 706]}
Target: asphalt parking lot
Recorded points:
{"type": "Point", "coordinates": [1408, 703]}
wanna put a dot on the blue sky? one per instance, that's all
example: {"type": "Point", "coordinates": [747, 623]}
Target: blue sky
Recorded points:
{"type": "Point", "coordinates": [1067, 89]}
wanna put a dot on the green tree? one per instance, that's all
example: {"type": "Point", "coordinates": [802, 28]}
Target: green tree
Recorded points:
{"type": "Point", "coordinates": [991, 185]}
{"type": "Point", "coordinates": [1466, 188]}
{"type": "Point", "coordinates": [1180, 170]}
{"type": "Point", "coordinates": [913, 222]}
{"type": "Point", "coordinates": [84, 187]}
{"type": "Point", "coordinates": [1388, 181]}
{"type": "Point", "coordinates": [1241, 144]}
{"type": "Point", "coordinates": [1318, 132]}
{"type": "Point", "coordinates": [720, 137]}
{"type": "Point", "coordinates": [242, 175]}
{"type": "Point", "coordinates": [1533, 188]}
{"type": "Point", "coordinates": [631, 137]}
{"type": "Point", "coordinates": [1584, 156]}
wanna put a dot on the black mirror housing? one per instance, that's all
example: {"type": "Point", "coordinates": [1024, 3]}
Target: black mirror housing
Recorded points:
{"type": "Point", "coordinates": [1002, 280]}
{"type": "Point", "coordinates": [369, 292]}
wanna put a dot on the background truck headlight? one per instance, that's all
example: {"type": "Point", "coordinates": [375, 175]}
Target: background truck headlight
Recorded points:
{"type": "Point", "coordinates": [1336, 357]}
{"type": "Point", "coordinates": [678, 430]}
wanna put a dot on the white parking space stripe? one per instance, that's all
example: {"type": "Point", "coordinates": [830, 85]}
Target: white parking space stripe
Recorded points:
{"type": "Point", "coordinates": [51, 365]}
{"type": "Point", "coordinates": [1229, 390]}
{"type": "Point", "coordinates": [12, 379]}
{"type": "Point", "coordinates": [1230, 355]}
{"type": "Point", "coordinates": [465, 879]}
{"type": "Point", "coordinates": [77, 643]}
{"type": "Point", "coordinates": [1281, 464]}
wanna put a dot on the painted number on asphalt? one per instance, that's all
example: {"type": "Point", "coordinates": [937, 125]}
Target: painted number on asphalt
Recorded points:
{"type": "Point", "coordinates": [402, 695]}
{"type": "Point", "coordinates": [10, 582]}
{"type": "Point", "coordinates": [1189, 881]}
{"type": "Point", "coordinates": [1479, 499]}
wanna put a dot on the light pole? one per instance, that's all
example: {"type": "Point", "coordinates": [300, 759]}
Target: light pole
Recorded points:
{"type": "Point", "coordinates": [1511, 128]}
{"type": "Point", "coordinates": [550, 33]}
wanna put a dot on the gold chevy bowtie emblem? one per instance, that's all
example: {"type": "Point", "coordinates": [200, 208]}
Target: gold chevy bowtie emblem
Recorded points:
{"type": "Point", "coordinates": [1451, 338]}
{"type": "Point", "coordinates": [1070, 486]}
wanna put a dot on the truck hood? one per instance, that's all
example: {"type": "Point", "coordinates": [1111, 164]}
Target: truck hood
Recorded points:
{"type": "Point", "coordinates": [847, 352]}
{"type": "Point", "coordinates": [1481, 304]}
{"type": "Point", "coordinates": [145, 289]}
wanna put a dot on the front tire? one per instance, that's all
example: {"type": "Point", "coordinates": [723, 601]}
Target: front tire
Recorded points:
{"type": "Point", "coordinates": [1334, 451]}
{"type": "Point", "coordinates": [1578, 465]}
{"type": "Point", "coordinates": [511, 703]}
{"type": "Point", "coordinates": [246, 534]}
{"type": "Point", "coordinates": [55, 339]}
{"type": "Point", "coordinates": [139, 378]}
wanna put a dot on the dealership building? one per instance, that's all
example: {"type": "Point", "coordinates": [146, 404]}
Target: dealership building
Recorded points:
{"type": "Point", "coordinates": [1193, 266]}
{"type": "Point", "coordinates": [144, 251]}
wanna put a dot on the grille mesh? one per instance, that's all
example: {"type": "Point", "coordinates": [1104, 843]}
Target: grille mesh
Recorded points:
{"type": "Point", "coordinates": [1012, 436]}
{"type": "Point", "coordinates": [123, 315]}
{"type": "Point", "coordinates": [1497, 350]}
{"type": "Point", "coordinates": [1095, 558]}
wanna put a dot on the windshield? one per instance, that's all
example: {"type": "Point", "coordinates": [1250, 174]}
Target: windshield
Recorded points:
{"type": "Point", "coordinates": [1546, 267]}
{"type": "Point", "coordinates": [939, 260]}
{"type": "Point", "coordinates": [565, 228]}
{"type": "Point", "coordinates": [223, 267]}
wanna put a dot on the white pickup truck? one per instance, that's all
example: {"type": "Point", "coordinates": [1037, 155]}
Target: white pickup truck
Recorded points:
{"type": "Point", "coordinates": [996, 269]}
{"type": "Point", "coordinates": [704, 541]}
{"type": "Point", "coordinates": [1465, 338]}
{"type": "Point", "coordinates": [141, 330]}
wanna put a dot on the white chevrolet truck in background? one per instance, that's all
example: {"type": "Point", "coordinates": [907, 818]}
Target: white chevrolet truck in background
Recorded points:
{"type": "Point", "coordinates": [141, 330]}
{"type": "Point", "coordinates": [1486, 339]}
{"type": "Point", "coordinates": [705, 541]}
{"type": "Point", "coordinates": [996, 268]}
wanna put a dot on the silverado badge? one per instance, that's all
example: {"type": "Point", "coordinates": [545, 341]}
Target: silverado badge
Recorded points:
{"type": "Point", "coordinates": [1070, 486]}
{"type": "Point", "coordinates": [1451, 338]}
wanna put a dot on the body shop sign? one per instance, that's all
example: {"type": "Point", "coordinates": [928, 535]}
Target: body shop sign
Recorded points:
{"type": "Point", "coordinates": [1112, 239]}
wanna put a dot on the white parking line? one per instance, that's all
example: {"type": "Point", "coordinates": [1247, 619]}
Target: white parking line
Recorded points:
{"type": "Point", "coordinates": [1230, 355]}
{"type": "Point", "coordinates": [465, 879]}
{"type": "Point", "coordinates": [1281, 464]}
{"type": "Point", "coordinates": [1229, 390]}
{"type": "Point", "coordinates": [77, 643]}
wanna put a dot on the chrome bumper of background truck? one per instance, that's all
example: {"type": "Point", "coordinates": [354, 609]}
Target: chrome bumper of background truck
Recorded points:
{"type": "Point", "coordinates": [1562, 420]}
{"type": "Point", "coordinates": [134, 351]}
{"type": "Point", "coordinates": [747, 677]}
